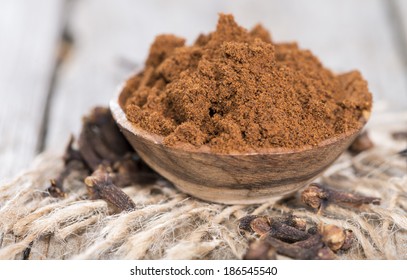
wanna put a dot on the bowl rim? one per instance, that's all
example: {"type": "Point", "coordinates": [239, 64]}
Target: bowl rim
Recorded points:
{"type": "Point", "coordinates": [121, 119]}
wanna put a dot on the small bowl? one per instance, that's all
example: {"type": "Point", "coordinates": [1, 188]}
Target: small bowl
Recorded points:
{"type": "Point", "coordinates": [244, 178]}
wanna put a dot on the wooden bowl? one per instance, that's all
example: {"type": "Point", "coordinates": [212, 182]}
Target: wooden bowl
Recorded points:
{"type": "Point", "coordinates": [244, 178]}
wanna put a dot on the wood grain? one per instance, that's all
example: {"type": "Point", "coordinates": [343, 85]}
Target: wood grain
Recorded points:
{"type": "Point", "coordinates": [398, 11]}
{"type": "Point", "coordinates": [29, 32]}
{"type": "Point", "coordinates": [110, 43]}
{"type": "Point", "coordinates": [345, 35]}
{"type": "Point", "coordinates": [112, 40]}
{"type": "Point", "coordinates": [400, 7]}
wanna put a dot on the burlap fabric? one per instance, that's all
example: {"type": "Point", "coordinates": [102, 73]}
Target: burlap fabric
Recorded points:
{"type": "Point", "coordinates": [168, 224]}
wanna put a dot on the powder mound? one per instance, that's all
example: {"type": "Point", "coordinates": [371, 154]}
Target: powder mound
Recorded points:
{"type": "Point", "coordinates": [236, 90]}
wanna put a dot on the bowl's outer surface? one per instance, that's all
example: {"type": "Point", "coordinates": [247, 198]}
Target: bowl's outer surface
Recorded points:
{"type": "Point", "coordinates": [231, 178]}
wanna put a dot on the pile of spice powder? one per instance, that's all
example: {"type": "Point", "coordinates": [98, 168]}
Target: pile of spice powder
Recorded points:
{"type": "Point", "coordinates": [236, 90]}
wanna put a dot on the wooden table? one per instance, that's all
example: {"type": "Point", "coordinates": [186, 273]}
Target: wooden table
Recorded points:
{"type": "Point", "coordinates": [58, 58]}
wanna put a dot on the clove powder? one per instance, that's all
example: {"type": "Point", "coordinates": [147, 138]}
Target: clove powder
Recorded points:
{"type": "Point", "coordinates": [236, 90]}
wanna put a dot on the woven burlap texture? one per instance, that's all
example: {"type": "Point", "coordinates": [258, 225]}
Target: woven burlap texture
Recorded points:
{"type": "Point", "coordinates": [168, 224]}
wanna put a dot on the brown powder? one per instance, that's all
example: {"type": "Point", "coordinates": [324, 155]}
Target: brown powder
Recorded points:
{"type": "Point", "coordinates": [236, 91]}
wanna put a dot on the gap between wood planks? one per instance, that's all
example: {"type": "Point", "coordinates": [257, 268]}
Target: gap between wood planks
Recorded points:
{"type": "Point", "coordinates": [391, 11]}
{"type": "Point", "coordinates": [64, 47]}
{"type": "Point", "coordinates": [399, 31]}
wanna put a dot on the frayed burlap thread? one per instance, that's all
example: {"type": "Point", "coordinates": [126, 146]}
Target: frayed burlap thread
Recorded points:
{"type": "Point", "coordinates": [168, 224]}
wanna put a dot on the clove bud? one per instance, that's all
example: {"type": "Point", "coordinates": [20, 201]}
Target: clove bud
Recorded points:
{"type": "Point", "coordinates": [349, 240]}
{"type": "Point", "coordinates": [260, 250]}
{"type": "Point", "coordinates": [333, 236]}
{"type": "Point", "coordinates": [278, 236]}
{"type": "Point", "coordinates": [317, 196]}
{"type": "Point", "coordinates": [101, 144]}
{"type": "Point", "coordinates": [361, 143]}
{"type": "Point", "coordinates": [275, 227]}
{"type": "Point", "coordinates": [100, 186]}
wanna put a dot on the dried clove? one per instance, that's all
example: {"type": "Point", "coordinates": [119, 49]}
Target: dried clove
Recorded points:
{"type": "Point", "coordinates": [333, 236]}
{"type": "Point", "coordinates": [313, 230]}
{"type": "Point", "coordinates": [278, 235]}
{"type": "Point", "coordinates": [100, 186]}
{"type": "Point", "coordinates": [100, 140]}
{"type": "Point", "coordinates": [72, 162]}
{"type": "Point", "coordinates": [294, 221]}
{"type": "Point", "coordinates": [317, 196]}
{"type": "Point", "coordinates": [309, 249]}
{"type": "Point", "coordinates": [130, 170]}
{"type": "Point", "coordinates": [260, 250]}
{"type": "Point", "coordinates": [336, 238]}
{"type": "Point", "coordinates": [399, 135]}
{"type": "Point", "coordinates": [244, 223]}
{"type": "Point", "coordinates": [286, 233]}
{"type": "Point", "coordinates": [314, 196]}
{"type": "Point", "coordinates": [325, 253]}
{"type": "Point", "coordinates": [56, 188]}
{"type": "Point", "coordinates": [101, 143]}
{"type": "Point", "coordinates": [262, 225]}
{"type": "Point", "coordinates": [349, 240]}
{"type": "Point", "coordinates": [361, 143]}
{"type": "Point", "coordinates": [321, 245]}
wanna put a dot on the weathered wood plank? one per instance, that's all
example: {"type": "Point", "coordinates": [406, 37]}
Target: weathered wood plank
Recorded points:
{"type": "Point", "coordinates": [345, 34]}
{"type": "Point", "coordinates": [401, 8]}
{"type": "Point", "coordinates": [29, 32]}
{"type": "Point", "coordinates": [399, 13]}
{"type": "Point", "coordinates": [109, 42]}
{"type": "Point", "coordinates": [339, 32]}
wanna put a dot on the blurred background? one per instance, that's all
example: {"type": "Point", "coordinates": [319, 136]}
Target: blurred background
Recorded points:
{"type": "Point", "coordinates": [58, 58]}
